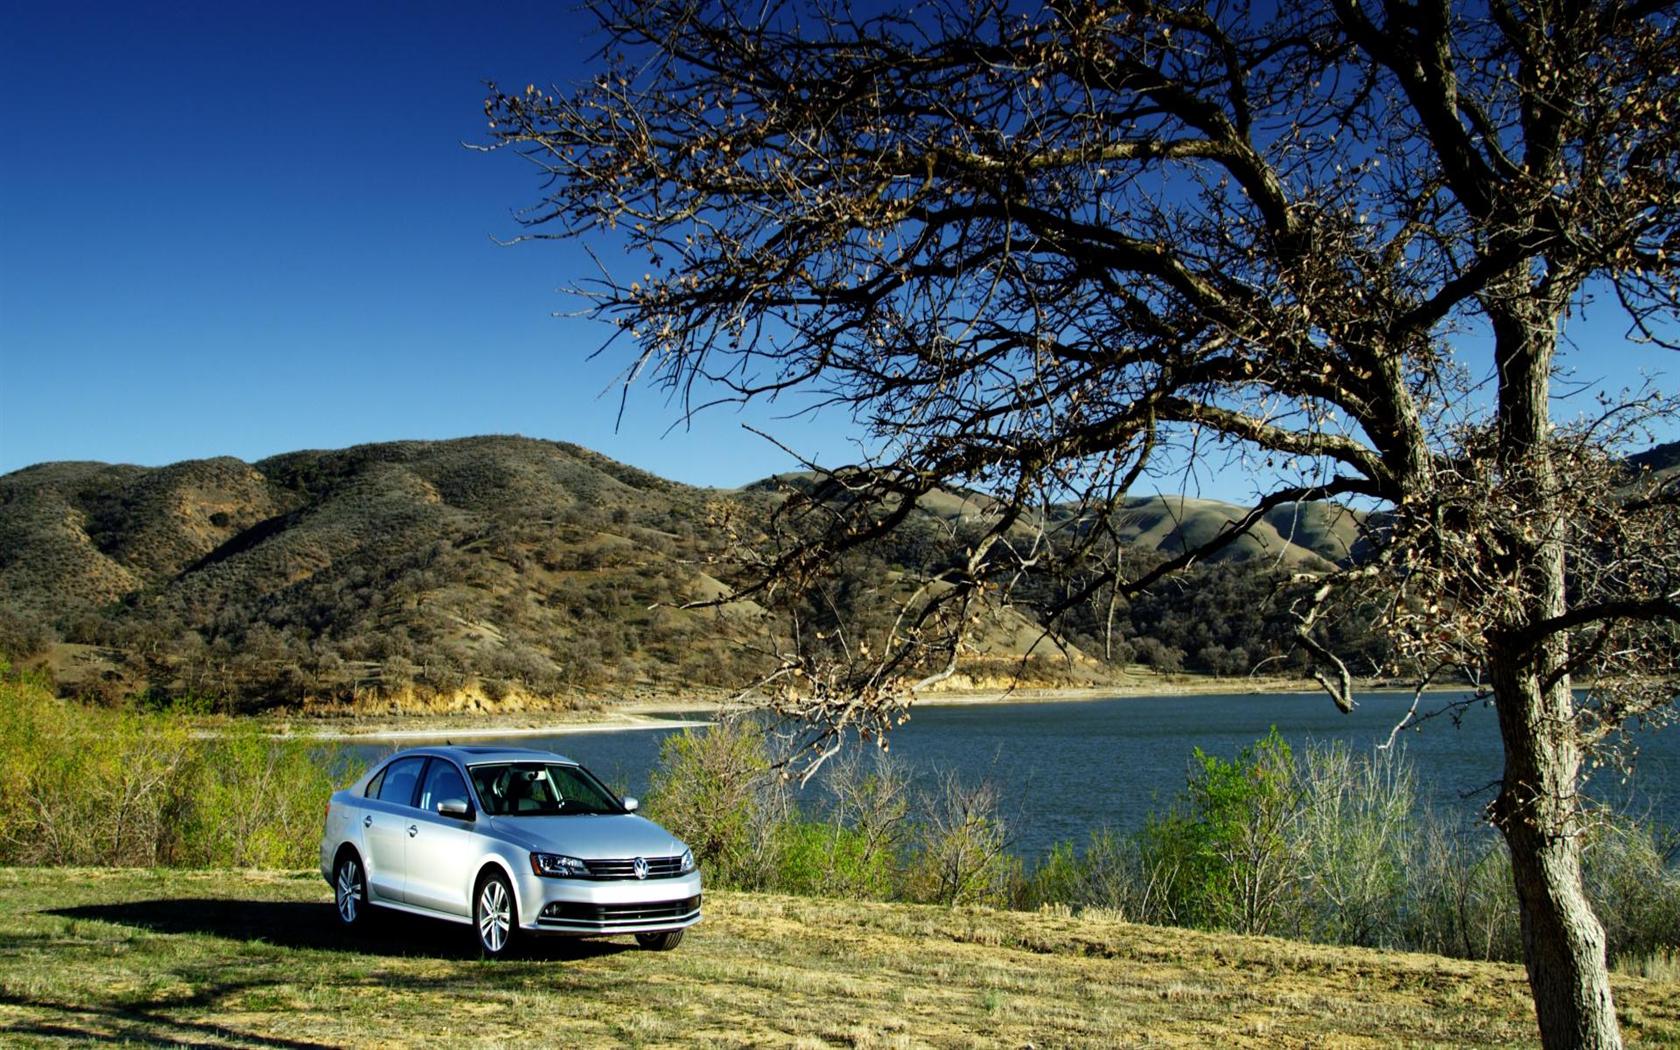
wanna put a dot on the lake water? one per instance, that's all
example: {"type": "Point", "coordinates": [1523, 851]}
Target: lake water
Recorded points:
{"type": "Point", "coordinates": [1067, 768]}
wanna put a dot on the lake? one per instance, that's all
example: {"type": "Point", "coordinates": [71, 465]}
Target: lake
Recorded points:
{"type": "Point", "coordinates": [1066, 768]}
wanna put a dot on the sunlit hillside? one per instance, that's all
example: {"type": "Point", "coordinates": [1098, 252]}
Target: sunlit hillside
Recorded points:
{"type": "Point", "coordinates": [503, 571]}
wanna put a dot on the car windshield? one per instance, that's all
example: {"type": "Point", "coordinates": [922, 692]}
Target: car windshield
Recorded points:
{"type": "Point", "coordinates": [540, 789]}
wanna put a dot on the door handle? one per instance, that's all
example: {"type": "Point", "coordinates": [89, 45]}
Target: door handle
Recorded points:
{"type": "Point", "coordinates": [413, 829]}
{"type": "Point", "coordinates": [367, 822]}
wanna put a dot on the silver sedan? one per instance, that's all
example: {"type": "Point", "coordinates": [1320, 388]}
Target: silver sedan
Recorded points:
{"type": "Point", "coordinates": [509, 841]}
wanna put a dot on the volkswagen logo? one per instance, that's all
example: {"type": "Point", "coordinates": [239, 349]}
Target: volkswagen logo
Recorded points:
{"type": "Point", "coordinates": [639, 865]}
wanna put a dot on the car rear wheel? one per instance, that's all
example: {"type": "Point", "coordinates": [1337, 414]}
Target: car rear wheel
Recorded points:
{"type": "Point", "coordinates": [350, 891]}
{"type": "Point", "coordinates": [494, 916]}
{"type": "Point", "coordinates": [659, 942]}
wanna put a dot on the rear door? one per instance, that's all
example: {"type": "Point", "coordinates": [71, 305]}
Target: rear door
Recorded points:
{"type": "Point", "coordinates": [442, 850]}
{"type": "Point", "coordinates": [385, 824]}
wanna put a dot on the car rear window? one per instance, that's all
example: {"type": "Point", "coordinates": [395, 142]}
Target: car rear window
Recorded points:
{"type": "Point", "coordinates": [399, 780]}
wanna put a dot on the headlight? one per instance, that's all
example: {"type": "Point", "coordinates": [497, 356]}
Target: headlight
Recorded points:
{"type": "Point", "coordinates": [555, 866]}
{"type": "Point", "coordinates": [686, 865]}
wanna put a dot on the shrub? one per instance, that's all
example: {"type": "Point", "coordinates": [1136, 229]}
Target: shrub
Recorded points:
{"type": "Point", "coordinates": [23, 636]}
{"type": "Point", "coordinates": [856, 851]}
{"type": "Point", "coordinates": [1459, 898]}
{"type": "Point", "coordinates": [89, 786]}
{"type": "Point", "coordinates": [1634, 884]}
{"type": "Point", "coordinates": [1168, 659]}
{"type": "Point", "coordinates": [1219, 660]}
{"type": "Point", "coordinates": [829, 859]}
{"type": "Point", "coordinates": [717, 792]}
{"type": "Point", "coordinates": [259, 803]}
{"type": "Point", "coordinates": [1355, 829]}
{"type": "Point", "coordinates": [83, 785]}
{"type": "Point", "coordinates": [961, 853]}
{"type": "Point", "coordinates": [1107, 875]}
{"type": "Point", "coordinates": [1228, 853]}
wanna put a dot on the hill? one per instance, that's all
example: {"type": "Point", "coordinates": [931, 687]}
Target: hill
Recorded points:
{"type": "Point", "coordinates": [255, 959]}
{"type": "Point", "coordinates": [1662, 460]}
{"type": "Point", "coordinates": [1294, 536]}
{"type": "Point", "coordinates": [489, 571]}
{"type": "Point", "coordinates": [500, 572]}
{"type": "Point", "coordinates": [477, 569]}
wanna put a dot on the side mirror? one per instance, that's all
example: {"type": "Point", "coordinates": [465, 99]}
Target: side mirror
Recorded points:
{"type": "Point", "coordinates": [631, 805]}
{"type": "Point", "coordinates": [455, 807]}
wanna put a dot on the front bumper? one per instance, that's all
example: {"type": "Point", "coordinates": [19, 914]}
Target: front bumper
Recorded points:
{"type": "Point", "coordinates": [584, 908]}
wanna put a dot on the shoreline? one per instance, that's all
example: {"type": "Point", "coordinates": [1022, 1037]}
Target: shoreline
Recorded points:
{"type": "Point", "coordinates": [672, 712]}
{"type": "Point", "coordinates": [1166, 689]}
{"type": "Point", "coordinates": [613, 722]}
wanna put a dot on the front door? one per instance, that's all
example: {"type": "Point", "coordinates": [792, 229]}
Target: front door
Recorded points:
{"type": "Point", "coordinates": [443, 850]}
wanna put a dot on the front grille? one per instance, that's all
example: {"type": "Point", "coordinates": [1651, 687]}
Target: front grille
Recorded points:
{"type": "Point", "coordinates": [657, 868]}
{"type": "Point", "coordinates": [607, 916]}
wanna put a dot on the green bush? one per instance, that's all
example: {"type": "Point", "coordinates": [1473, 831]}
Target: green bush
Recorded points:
{"type": "Point", "coordinates": [857, 851]}
{"type": "Point", "coordinates": [88, 786]}
{"type": "Point", "coordinates": [1227, 853]}
{"type": "Point", "coordinates": [1105, 875]}
{"type": "Point", "coordinates": [1459, 899]}
{"type": "Point", "coordinates": [84, 785]}
{"type": "Point", "coordinates": [717, 792]}
{"type": "Point", "coordinates": [1634, 883]}
{"type": "Point", "coordinates": [1355, 830]}
{"type": "Point", "coordinates": [260, 804]}
{"type": "Point", "coordinates": [829, 859]}
{"type": "Point", "coordinates": [961, 853]}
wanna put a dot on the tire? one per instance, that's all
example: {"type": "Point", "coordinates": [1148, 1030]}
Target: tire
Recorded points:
{"type": "Point", "coordinates": [659, 942]}
{"type": "Point", "coordinates": [495, 916]}
{"type": "Point", "coordinates": [350, 897]}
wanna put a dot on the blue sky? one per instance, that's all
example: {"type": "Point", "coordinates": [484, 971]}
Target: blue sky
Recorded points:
{"type": "Point", "coordinates": [239, 229]}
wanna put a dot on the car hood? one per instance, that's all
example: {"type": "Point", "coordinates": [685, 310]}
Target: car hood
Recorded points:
{"type": "Point", "coordinates": [599, 837]}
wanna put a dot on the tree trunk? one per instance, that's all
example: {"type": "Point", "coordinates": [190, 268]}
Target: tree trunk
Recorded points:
{"type": "Point", "coordinates": [1538, 808]}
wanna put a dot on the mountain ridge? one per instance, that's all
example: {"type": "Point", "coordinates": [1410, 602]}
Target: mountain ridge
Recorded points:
{"type": "Point", "coordinates": [498, 569]}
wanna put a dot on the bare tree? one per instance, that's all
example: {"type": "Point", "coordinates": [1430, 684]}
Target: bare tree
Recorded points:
{"type": "Point", "coordinates": [1040, 253]}
{"type": "Point", "coordinates": [873, 800]}
{"type": "Point", "coordinates": [963, 842]}
{"type": "Point", "coordinates": [1355, 823]}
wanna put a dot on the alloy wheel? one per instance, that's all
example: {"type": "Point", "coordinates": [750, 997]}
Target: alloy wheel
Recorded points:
{"type": "Point", "coordinates": [495, 916]}
{"type": "Point", "coordinates": [348, 890]}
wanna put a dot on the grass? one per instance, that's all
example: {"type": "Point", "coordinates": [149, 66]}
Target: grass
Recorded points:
{"type": "Point", "coordinates": [255, 960]}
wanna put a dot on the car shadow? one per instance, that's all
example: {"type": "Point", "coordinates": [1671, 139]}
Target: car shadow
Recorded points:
{"type": "Point", "coordinates": [304, 924]}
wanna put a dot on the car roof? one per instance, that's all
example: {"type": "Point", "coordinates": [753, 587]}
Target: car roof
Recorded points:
{"type": "Point", "coordinates": [477, 754]}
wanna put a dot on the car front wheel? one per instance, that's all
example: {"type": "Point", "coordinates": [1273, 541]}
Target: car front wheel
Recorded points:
{"type": "Point", "coordinates": [350, 891]}
{"type": "Point", "coordinates": [659, 942]}
{"type": "Point", "coordinates": [494, 917]}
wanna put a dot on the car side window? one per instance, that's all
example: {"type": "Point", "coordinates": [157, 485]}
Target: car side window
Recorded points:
{"type": "Point", "coordinates": [399, 781]}
{"type": "Point", "coordinates": [443, 781]}
{"type": "Point", "coordinates": [372, 790]}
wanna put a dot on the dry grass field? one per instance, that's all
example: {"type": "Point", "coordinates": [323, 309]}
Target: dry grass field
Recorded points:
{"type": "Point", "coordinates": [254, 960]}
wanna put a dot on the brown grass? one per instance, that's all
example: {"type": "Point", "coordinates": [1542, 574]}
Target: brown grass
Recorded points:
{"type": "Point", "coordinates": [237, 959]}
